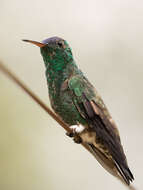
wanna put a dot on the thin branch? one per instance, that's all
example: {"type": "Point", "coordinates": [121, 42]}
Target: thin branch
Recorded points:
{"type": "Point", "coordinates": [16, 80]}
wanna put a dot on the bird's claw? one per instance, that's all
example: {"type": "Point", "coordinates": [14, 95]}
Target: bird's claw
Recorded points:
{"type": "Point", "coordinates": [77, 139]}
{"type": "Point", "coordinates": [75, 129]}
{"type": "Point", "coordinates": [70, 134]}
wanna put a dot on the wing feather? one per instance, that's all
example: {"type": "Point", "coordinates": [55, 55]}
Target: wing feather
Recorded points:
{"type": "Point", "coordinates": [92, 108]}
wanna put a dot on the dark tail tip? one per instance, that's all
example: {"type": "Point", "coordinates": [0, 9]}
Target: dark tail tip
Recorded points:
{"type": "Point", "coordinates": [125, 173]}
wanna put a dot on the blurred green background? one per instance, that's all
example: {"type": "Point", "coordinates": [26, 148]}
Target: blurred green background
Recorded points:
{"type": "Point", "coordinates": [107, 42]}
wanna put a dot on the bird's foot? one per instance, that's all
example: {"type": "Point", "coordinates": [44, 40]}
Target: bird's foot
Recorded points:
{"type": "Point", "coordinates": [75, 130]}
{"type": "Point", "coordinates": [77, 139]}
{"type": "Point", "coordinates": [70, 134]}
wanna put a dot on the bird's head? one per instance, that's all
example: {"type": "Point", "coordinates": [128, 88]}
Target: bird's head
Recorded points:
{"type": "Point", "coordinates": [54, 50]}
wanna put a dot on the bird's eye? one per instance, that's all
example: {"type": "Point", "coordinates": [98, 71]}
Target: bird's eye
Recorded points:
{"type": "Point", "coordinates": [60, 44]}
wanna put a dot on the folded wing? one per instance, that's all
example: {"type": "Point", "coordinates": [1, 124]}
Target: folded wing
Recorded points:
{"type": "Point", "coordinates": [92, 108]}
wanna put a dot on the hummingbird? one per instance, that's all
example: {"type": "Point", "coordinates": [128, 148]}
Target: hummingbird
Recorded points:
{"type": "Point", "coordinates": [75, 100]}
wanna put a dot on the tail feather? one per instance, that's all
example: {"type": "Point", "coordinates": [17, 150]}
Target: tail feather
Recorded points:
{"type": "Point", "coordinates": [125, 173]}
{"type": "Point", "coordinates": [110, 165]}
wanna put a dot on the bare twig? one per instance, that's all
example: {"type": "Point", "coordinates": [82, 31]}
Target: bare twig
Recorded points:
{"type": "Point", "coordinates": [15, 79]}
